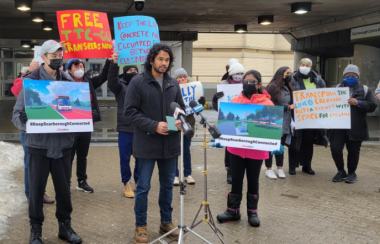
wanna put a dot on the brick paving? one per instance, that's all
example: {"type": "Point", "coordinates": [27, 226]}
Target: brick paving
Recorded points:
{"type": "Point", "coordinates": [299, 209]}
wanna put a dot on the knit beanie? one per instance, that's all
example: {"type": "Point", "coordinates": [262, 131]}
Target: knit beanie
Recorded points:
{"type": "Point", "coordinates": [232, 61]}
{"type": "Point", "coordinates": [351, 68]}
{"type": "Point", "coordinates": [180, 71]}
{"type": "Point", "coordinates": [128, 67]}
{"type": "Point", "coordinates": [236, 68]}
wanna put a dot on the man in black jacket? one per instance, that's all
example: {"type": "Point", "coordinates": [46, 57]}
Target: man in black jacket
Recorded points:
{"type": "Point", "coordinates": [147, 104]}
{"type": "Point", "coordinates": [48, 153]}
{"type": "Point", "coordinates": [75, 68]}
{"type": "Point", "coordinates": [362, 102]}
{"type": "Point", "coordinates": [118, 84]}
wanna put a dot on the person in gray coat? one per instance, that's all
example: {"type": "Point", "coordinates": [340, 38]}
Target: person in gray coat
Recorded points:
{"type": "Point", "coordinates": [304, 79]}
{"type": "Point", "coordinates": [48, 153]}
{"type": "Point", "coordinates": [281, 92]}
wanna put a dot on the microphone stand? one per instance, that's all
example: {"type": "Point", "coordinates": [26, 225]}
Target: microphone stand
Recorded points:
{"type": "Point", "coordinates": [183, 229]}
{"type": "Point", "coordinates": [207, 211]}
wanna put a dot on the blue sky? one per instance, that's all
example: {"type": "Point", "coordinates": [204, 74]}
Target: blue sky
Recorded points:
{"type": "Point", "coordinates": [239, 108]}
{"type": "Point", "coordinates": [48, 90]}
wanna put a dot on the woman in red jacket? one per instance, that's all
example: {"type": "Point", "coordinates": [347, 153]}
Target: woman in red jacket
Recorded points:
{"type": "Point", "coordinates": [249, 160]}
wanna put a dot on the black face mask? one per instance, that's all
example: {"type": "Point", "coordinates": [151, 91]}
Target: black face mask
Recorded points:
{"type": "Point", "coordinates": [249, 89]}
{"type": "Point", "coordinates": [287, 79]}
{"type": "Point", "coordinates": [55, 64]}
{"type": "Point", "coordinates": [128, 76]}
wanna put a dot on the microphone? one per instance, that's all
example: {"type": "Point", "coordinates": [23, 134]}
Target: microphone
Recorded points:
{"type": "Point", "coordinates": [198, 108]}
{"type": "Point", "coordinates": [180, 114]}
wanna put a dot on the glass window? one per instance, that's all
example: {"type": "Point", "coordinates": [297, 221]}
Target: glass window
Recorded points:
{"type": "Point", "coordinates": [6, 91]}
{"type": "Point", "coordinates": [6, 72]}
{"type": "Point", "coordinates": [24, 53]}
{"type": "Point", "coordinates": [6, 52]}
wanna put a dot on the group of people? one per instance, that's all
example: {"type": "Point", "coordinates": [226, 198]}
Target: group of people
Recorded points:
{"type": "Point", "coordinates": [279, 92]}
{"type": "Point", "coordinates": [143, 102]}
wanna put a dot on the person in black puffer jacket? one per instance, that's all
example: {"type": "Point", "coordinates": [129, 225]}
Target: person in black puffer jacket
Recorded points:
{"type": "Point", "coordinates": [118, 84]}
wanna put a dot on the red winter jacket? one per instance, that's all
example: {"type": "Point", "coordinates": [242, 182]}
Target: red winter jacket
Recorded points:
{"type": "Point", "coordinates": [263, 99]}
{"type": "Point", "coordinates": [17, 85]}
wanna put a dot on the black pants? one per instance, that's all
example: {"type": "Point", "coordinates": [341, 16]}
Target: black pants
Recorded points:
{"type": "Point", "coordinates": [238, 167]}
{"type": "Point", "coordinates": [337, 140]}
{"type": "Point", "coordinates": [60, 170]}
{"type": "Point", "coordinates": [305, 154]}
{"type": "Point", "coordinates": [81, 146]}
{"type": "Point", "coordinates": [227, 159]}
{"type": "Point", "coordinates": [279, 157]}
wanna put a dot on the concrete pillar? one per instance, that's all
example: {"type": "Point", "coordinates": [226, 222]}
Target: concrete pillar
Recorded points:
{"type": "Point", "coordinates": [187, 57]}
{"type": "Point", "coordinates": [299, 55]}
{"type": "Point", "coordinates": [368, 60]}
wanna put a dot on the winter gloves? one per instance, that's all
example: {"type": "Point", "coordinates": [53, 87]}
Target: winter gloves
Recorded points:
{"type": "Point", "coordinates": [23, 118]}
{"type": "Point", "coordinates": [202, 101]}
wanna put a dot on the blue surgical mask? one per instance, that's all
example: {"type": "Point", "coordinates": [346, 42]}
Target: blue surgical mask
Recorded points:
{"type": "Point", "coordinates": [350, 81]}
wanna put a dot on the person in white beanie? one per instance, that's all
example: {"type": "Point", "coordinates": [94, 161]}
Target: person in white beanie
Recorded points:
{"type": "Point", "coordinates": [235, 76]}
{"type": "Point", "coordinates": [232, 61]}
{"type": "Point", "coordinates": [361, 102]}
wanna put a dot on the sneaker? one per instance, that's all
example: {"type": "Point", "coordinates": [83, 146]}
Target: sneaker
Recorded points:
{"type": "Point", "coordinates": [141, 235]}
{"type": "Point", "coordinates": [83, 186]}
{"type": "Point", "coordinates": [176, 181]}
{"type": "Point", "coordinates": [128, 191]}
{"type": "Point", "coordinates": [281, 174]}
{"type": "Point", "coordinates": [47, 199]}
{"type": "Point", "coordinates": [165, 228]}
{"type": "Point", "coordinates": [189, 180]}
{"type": "Point", "coordinates": [340, 176]}
{"type": "Point", "coordinates": [270, 174]}
{"type": "Point", "coordinates": [351, 178]}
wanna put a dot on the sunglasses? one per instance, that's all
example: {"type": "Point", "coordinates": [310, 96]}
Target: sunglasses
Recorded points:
{"type": "Point", "coordinates": [251, 82]}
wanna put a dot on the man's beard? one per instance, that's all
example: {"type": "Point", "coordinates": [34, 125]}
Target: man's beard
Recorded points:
{"type": "Point", "coordinates": [158, 69]}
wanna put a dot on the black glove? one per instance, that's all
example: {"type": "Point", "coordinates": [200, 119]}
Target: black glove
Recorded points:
{"type": "Point", "coordinates": [23, 118]}
{"type": "Point", "coordinates": [217, 96]}
{"type": "Point", "coordinates": [202, 101]}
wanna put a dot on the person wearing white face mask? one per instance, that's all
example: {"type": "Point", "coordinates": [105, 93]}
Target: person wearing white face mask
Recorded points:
{"type": "Point", "coordinates": [75, 68]}
{"type": "Point", "coordinates": [236, 73]}
{"type": "Point", "coordinates": [303, 79]}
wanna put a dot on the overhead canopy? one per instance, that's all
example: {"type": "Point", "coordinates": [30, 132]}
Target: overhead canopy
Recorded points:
{"type": "Point", "coordinates": [207, 15]}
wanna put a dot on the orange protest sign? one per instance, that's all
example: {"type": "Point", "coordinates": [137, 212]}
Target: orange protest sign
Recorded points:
{"type": "Point", "coordinates": [86, 34]}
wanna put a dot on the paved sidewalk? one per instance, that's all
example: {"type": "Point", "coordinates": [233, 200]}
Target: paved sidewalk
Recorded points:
{"type": "Point", "coordinates": [299, 209]}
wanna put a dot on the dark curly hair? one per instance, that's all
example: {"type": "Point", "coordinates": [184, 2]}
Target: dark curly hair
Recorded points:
{"type": "Point", "coordinates": [257, 75]}
{"type": "Point", "coordinates": [156, 48]}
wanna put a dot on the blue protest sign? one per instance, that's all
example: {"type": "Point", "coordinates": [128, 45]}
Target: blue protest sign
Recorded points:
{"type": "Point", "coordinates": [134, 36]}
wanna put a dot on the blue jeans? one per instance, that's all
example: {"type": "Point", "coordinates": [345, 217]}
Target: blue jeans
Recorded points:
{"type": "Point", "coordinates": [26, 163]}
{"type": "Point", "coordinates": [125, 148]}
{"type": "Point", "coordinates": [166, 172]}
{"type": "Point", "coordinates": [186, 158]}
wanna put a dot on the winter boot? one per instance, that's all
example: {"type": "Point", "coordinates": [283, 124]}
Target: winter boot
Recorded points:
{"type": "Point", "coordinates": [253, 218]}
{"type": "Point", "coordinates": [233, 209]}
{"type": "Point", "coordinates": [67, 233]}
{"type": "Point", "coordinates": [35, 234]}
{"type": "Point", "coordinates": [229, 177]}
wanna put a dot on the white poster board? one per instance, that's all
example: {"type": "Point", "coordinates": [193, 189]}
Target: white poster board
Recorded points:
{"type": "Point", "coordinates": [230, 91]}
{"type": "Point", "coordinates": [191, 91]}
{"type": "Point", "coordinates": [325, 108]}
{"type": "Point", "coordinates": [57, 106]}
{"type": "Point", "coordinates": [37, 54]}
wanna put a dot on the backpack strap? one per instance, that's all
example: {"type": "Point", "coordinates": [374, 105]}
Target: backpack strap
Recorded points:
{"type": "Point", "coordinates": [365, 90]}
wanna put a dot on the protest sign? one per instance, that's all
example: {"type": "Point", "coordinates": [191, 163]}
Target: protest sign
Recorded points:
{"type": "Point", "coordinates": [325, 108]}
{"type": "Point", "coordinates": [57, 106]}
{"type": "Point", "coordinates": [37, 54]}
{"type": "Point", "coordinates": [191, 91]}
{"type": "Point", "coordinates": [250, 126]}
{"type": "Point", "coordinates": [230, 91]}
{"type": "Point", "coordinates": [134, 36]}
{"type": "Point", "coordinates": [86, 34]}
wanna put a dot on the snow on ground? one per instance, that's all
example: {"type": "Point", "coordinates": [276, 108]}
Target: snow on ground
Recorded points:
{"type": "Point", "coordinates": [12, 196]}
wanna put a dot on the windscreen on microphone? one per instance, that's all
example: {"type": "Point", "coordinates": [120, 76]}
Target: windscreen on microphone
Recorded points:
{"type": "Point", "coordinates": [193, 104]}
{"type": "Point", "coordinates": [174, 105]}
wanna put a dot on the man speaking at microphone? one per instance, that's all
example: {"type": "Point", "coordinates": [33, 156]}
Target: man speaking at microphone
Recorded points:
{"type": "Point", "coordinates": [147, 104]}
